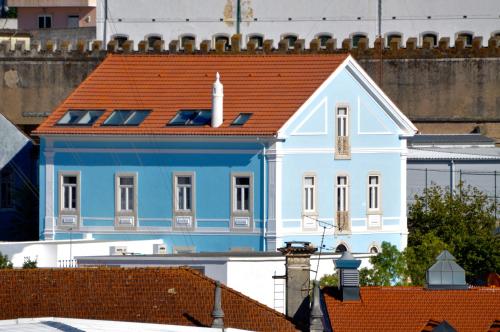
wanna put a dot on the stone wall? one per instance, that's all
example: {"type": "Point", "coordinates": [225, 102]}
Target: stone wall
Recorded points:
{"type": "Point", "coordinates": [431, 85]}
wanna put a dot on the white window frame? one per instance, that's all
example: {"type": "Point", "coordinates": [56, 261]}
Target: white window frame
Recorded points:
{"type": "Point", "coordinates": [466, 32]}
{"type": "Point", "coordinates": [215, 37]}
{"type": "Point", "coordinates": [344, 197]}
{"type": "Point", "coordinates": [69, 186]}
{"type": "Point", "coordinates": [73, 213]}
{"type": "Point", "coordinates": [183, 218]}
{"type": "Point", "coordinates": [342, 132]}
{"type": "Point", "coordinates": [187, 191]}
{"type": "Point", "coordinates": [237, 215]}
{"type": "Point", "coordinates": [44, 21]}
{"type": "Point", "coordinates": [308, 192]}
{"type": "Point", "coordinates": [376, 199]}
{"type": "Point", "coordinates": [127, 213]}
{"type": "Point", "coordinates": [435, 34]}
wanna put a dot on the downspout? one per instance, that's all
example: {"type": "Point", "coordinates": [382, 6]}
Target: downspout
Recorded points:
{"type": "Point", "coordinates": [452, 176]}
{"type": "Point", "coordinates": [264, 205]}
{"type": "Point", "coordinates": [238, 16]}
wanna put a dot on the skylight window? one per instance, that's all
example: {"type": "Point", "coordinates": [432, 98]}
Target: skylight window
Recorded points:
{"type": "Point", "coordinates": [80, 117]}
{"type": "Point", "coordinates": [241, 119]}
{"type": "Point", "coordinates": [126, 117]}
{"type": "Point", "coordinates": [191, 118]}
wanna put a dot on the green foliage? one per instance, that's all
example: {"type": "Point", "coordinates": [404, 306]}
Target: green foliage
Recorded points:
{"type": "Point", "coordinates": [329, 280]}
{"type": "Point", "coordinates": [388, 268]}
{"type": "Point", "coordinates": [462, 221]}
{"type": "Point", "coordinates": [11, 13]}
{"type": "Point", "coordinates": [29, 264]}
{"type": "Point", "coordinates": [4, 262]}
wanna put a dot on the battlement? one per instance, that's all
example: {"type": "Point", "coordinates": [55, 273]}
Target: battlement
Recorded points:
{"type": "Point", "coordinates": [396, 49]}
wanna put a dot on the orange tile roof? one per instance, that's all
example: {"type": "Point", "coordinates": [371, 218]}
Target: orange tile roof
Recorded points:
{"type": "Point", "coordinates": [177, 296]}
{"type": "Point", "coordinates": [412, 308]}
{"type": "Point", "coordinates": [272, 87]}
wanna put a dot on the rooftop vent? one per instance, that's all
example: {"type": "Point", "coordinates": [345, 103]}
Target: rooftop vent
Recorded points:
{"type": "Point", "coordinates": [445, 273]}
{"type": "Point", "coordinates": [217, 102]}
{"type": "Point", "coordinates": [347, 267]}
{"type": "Point", "coordinates": [80, 117]}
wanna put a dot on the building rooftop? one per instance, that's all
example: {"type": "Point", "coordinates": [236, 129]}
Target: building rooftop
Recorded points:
{"type": "Point", "coordinates": [453, 140]}
{"type": "Point", "coordinates": [173, 296]}
{"type": "Point", "coordinates": [415, 309]}
{"type": "Point", "coordinates": [270, 87]}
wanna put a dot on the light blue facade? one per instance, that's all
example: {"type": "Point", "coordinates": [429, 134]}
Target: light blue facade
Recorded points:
{"type": "Point", "coordinates": [305, 146]}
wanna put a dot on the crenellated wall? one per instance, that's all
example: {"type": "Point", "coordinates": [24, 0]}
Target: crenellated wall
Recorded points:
{"type": "Point", "coordinates": [440, 88]}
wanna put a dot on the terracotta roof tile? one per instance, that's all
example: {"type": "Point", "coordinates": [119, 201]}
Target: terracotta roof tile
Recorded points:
{"type": "Point", "coordinates": [413, 309]}
{"type": "Point", "coordinates": [177, 296]}
{"type": "Point", "coordinates": [271, 87]}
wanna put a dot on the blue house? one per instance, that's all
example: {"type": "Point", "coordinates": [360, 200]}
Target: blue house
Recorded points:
{"type": "Point", "coordinates": [219, 153]}
{"type": "Point", "coordinates": [18, 184]}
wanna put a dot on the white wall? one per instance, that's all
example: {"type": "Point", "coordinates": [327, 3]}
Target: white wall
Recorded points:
{"type": "Point", "coordinates": [134, 18]}
{"type": "Point", "coordinates": [48, 253]}
{"type": "Point", "coordinates": [8, 23]}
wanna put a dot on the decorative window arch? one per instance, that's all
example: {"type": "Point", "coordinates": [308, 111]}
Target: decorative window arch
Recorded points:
{"type": "Point", "coordinates": [151, 39]}
{"type": "Point", "coordinates": [390, 36]}
{"type": "Point", "coordinates": [225, 37]}
{"type": "Point", "coordinates": [291, 38]}
{"type": "Point", "coordinates": [342, 247]}
{"type": "Point", "coordinates": [429, 34]}
{"type": "Point", "coordinates": [467, 36]}
{"type": "Point", "coordinates": [120, 38]}
{"type": "Point", "coordinates": [323, 38]}
{"type": "Point", "coordinates": [258, 38]}
{"type": "Point", "coordinates": [356, 37]}
{"type": "Point", "coordinates": [183, 39]}
{"type": "Point", "coordinates": [374, 248]}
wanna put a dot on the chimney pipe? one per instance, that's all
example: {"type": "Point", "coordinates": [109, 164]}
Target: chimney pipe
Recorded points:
{"type": "Point", "coordinates": [298, 268]}
{"type": "Point", "coordinates": [217, 102]}
{"type": "Point", "coordinates": [347, 267]}
{"type": "Point", "coordinates": [217, 313]}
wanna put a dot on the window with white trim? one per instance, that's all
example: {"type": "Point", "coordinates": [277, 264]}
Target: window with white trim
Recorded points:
{"type": "Point", "coordinates": [241, 193]}
{"type": "Point", "coordinates": [188, 39]}
{"type": "Point", "coordinates": [309, 194]}
{"type": "Point", "coordinates": [342, 147]}
{"type": "Point", "coordinates": [342, 194]}
{"type": "Point", "coordinates": [44, 21]}
{"type": "Point", "coordinates": [69, 192]}
{"type": "Point", "coordinates": [126, 193]}
{"type": "Point", "coordinates": [184, 192]}
{"type": "Point", "coordinates": [373, 193]}
{"type": "Point", "coordinates": [355, 38]}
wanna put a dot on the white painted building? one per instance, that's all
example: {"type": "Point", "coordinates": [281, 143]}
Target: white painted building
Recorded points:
{"type": "Point", "coordinates": [250, 273]}
{"type": "Point", "coordinates": [60, 253]}
{"type": "Point", "coordinates": [307, 19]}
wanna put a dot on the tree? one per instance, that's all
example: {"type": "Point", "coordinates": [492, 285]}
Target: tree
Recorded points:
{"type": "Point", "coordinates": [388, 268]}
{"type": "Point", "coordinates": [29, 264]}
{"type": "Point", "coordinates": [462, 221]}
{"type": "Point", "coordinates": [4, 262]}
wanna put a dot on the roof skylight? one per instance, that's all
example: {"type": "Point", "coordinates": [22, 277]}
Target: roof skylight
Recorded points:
{"type": "Point", "coordinates": [126, 117]}
{"type": "Point", "coordinates": [241, 119]}
{"type": "Point", "coordinates": [191, 118]}
{"type": "Point", "coordinates": [80, 117]}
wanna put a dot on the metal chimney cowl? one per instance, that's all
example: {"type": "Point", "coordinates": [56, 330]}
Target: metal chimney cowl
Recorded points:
{"type": "Point", "coordinates": [347, 267]}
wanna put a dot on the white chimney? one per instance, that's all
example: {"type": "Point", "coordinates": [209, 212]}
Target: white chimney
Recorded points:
{"type": "Point", "coordinates": [217, 102]}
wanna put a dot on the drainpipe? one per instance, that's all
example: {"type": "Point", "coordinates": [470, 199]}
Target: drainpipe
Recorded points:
{"type": "Point", "coordinates": [452, 176]}
{"type": "Point", "coordinates": [264, 191]}
{"type": "Point", "coordinates": [238, 16]}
